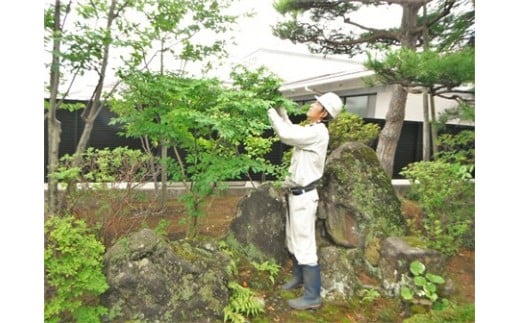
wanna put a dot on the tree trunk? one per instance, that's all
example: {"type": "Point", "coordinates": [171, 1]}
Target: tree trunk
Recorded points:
{"type": "Point", "coordinates": [192, 230]}
{"type": "Point", "coordinates": [90, 114]}
{"type": "Point", "coordinates": [433, 126]}
{"type": "Point", "coordinates": [164, 174]}
{"type": "Point", "coordinates": [164, 148]}
{"type": "Point", "coordinates": [53, 124]}
{"type": "Point", "coordinates": [92, 110]}
{"type": "Point", "coordinates": [145, 144]}
{"type": "Point", "coordinates": [389, 136]}
{"type": "Point", "coordinates": [426, 111]}
{"type": "Point", "coordinates": [426, 127]}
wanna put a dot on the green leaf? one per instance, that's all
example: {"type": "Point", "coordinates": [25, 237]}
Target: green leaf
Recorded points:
{"type": "Point", "coordinates": [419, 281]}
{"type": "Point", "coordinates": [429, 287]}
{"type": "Point", "coordinates": [435, 278]}
{"type": "Point", "coordinates": [417, 267]}
{"type": "Point", "coordinates": [406, 293]}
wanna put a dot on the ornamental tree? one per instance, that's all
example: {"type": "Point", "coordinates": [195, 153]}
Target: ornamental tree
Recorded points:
{"type": "Point", "coordinates": [92, 39]}
{"type": "Point", "coordinates": [215, 133]}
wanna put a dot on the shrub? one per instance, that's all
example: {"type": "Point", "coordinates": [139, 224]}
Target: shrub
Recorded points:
{"type": "Point", "coordinates": [350, 127]}
{"type": "Point", "coordinates": [99, 172]}
{"type": "Point", "coordinates": [457, 148]}
{"type": "Point", "coordinates": [73, 272]}
{"type": "Point", "coordinates": [447, 195]}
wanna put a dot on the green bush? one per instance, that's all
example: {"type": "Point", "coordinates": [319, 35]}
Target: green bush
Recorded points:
{"type": "Point", "coordinates": [74, 276]}
{"type": "Point", "coordinates": [350, 127]}
{"type": "Point", "coordinates": [107, 165]}
{"type": "Point", "coordinates": [98, 172]}
{"type": "Point", "coordinates": [458, 148]}
{"type": "Point", "coordinates": [446, 194]}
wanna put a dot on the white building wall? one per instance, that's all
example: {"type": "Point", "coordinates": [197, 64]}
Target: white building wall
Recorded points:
{"type": "Point", "coordinates": [296, 66]}
{"type": "Point", "coordinates": [414, 105]}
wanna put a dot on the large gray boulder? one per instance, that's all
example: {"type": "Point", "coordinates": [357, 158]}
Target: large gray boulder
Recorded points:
{"type": "Point", "coordinates": [154, 281]}
{"type": "Point", "coordinates": [258, 228]}
{"type": "Point", "coordinates": [357, 200]}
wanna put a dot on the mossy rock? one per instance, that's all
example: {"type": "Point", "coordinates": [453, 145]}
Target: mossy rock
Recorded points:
{"type": "Point", "coordinates": [357, 199]}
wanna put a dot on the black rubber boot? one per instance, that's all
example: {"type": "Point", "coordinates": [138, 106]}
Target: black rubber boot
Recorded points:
{"type": "Point", "coordinates": [312, 286]}
{"type": "Point", "coordinates": [297, 275]}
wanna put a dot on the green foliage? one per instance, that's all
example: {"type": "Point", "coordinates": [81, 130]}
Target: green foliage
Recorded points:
{"type": "Point", "coordinates": [243, 302]}
{"type": "Point", "coordinates": [162, 227]}
{"type": "Point", "coordinates": [422, 286]}
{"type": "Point", "coordinates": [109, 178]}
{"type": "Point", "coordinates": [368, 295]}
{"type": "Point", "coordinates": [457, 30]}
{"type": "Point", "coordinates": [323, 27]}
{"type": "Point", "coordinates": [262, 83]}
{"type": "Point", "coordinates": [65, 106]}
{"type": "Point", "coordinates": [463, 111]}
{"type": "Point", "coordinates": [310, 22]}
{"type": "Point", "coordinates": [231, 269]}
{"type": "Point", "coordinates": [457, 149]}
{"type": "Point", "coordinates": [350, 127]}
{"type": "Point", "coordinates": [73, 271]}
{"type": "Point", "coordinates": [454, 313]}
{"type": "Point", "coordinates": [135, 28]}
{"type": "Point", "coordinates": [271, 268]}
{"type": "Point", "coordinates": [429, 68]}
{"type": "Point", "coordinates": [106, 165]}
{"type": "Point", "coordinates": [447, 197]}
{"type": "Point", "coordinates": [207, 122]}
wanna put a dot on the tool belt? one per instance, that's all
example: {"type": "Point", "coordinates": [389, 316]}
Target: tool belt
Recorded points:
{"type": "Point", "coordinates": [300, 190]}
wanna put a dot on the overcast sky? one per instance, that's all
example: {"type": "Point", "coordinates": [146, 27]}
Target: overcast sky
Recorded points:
{"type": "Point", "coordinates": [253, 33]}
{"type": "Point", "coordinates": [256, 32]}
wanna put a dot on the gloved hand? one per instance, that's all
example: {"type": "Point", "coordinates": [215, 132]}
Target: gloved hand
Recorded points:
{"type": "Point", "coordinates": [283, 113]}
{"type": "Point", "coordinates": [279, 112]}
{"type": "Point", "coordinates": [271, 112]}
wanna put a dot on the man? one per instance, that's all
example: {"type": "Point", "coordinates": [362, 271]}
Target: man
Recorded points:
{"type": "Point", "coordinates": [307, 164]}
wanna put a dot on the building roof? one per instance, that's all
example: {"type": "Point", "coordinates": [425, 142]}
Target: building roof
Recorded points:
{"type": "Point", "coordinates": [344, 80]}
{"type": "Point", "coordinates": [294, 66]}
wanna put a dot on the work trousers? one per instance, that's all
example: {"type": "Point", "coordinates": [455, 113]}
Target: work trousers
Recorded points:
{"type": "Point", "coordinates": [300, 227]}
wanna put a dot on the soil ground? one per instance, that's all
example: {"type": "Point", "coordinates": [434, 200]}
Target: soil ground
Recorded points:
{"type": "Point", "coordinates": [220, 212]}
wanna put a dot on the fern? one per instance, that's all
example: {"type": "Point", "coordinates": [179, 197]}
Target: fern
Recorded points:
{"type": "Point", "coordinates": [243, 302]}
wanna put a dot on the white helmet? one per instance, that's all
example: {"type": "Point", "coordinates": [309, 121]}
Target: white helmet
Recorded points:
{"type": "Point", "coordinates": [331, 102]}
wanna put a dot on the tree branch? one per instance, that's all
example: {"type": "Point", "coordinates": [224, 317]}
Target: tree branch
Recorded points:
{"type": "Point", "coordinates": [383, 33]}
{"type": "Point", "coordinates": [306, 4]}
{"type": "Point", "coordinates": [456, 97]}
{"type": "Point", "coordinates": [398, 2]}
